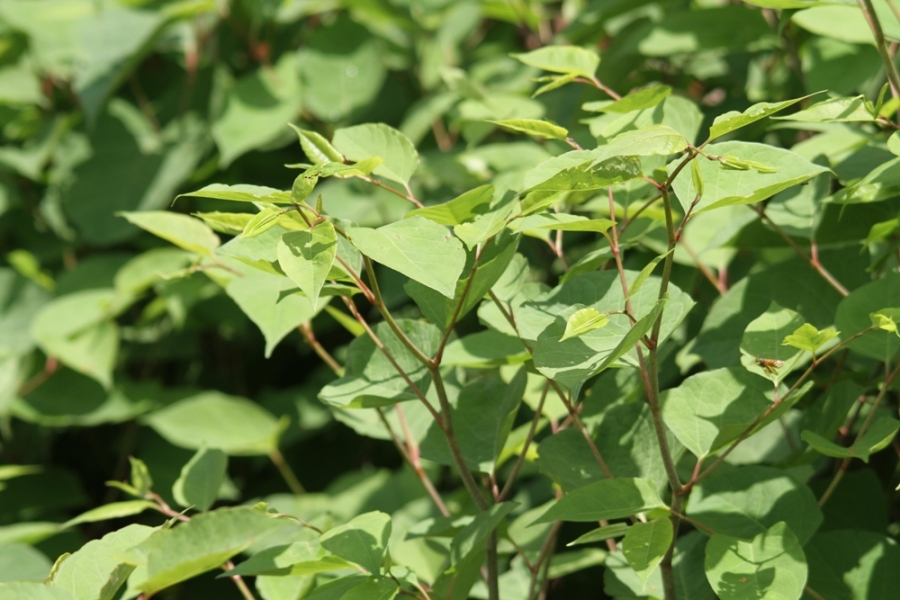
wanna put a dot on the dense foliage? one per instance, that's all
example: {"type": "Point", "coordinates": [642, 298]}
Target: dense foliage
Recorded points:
{"type": "Point", "coordinates": [340, 299]}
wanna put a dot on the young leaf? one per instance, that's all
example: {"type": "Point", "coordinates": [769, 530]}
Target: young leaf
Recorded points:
{"type": "Point", "coordinates": [807, 337]}
{"type": "Point", "coordinates": [225, 222]}
{"type": "Point", "coordinates": [317, 148]}
{"type": "Point", "coordinates": [645, 273]}
{"type": "Point", "coordinates": [306, 257]}
{"type": "Point", "coordinates": [303, 186]}
{"type": "Point", "coordinates": [461, 209]}
{"type": "Point", "coordinates": [534, 127]}
{"type": "Point", "coordinates": [639, 100]}
{"type": "Point", "coordinates": [582, 321]}
{"type": "Point", "coordinates": [261, 222]}
{"type": "Point", "coordinates": [763, 341]}
{"type": "Point", "coordinates": [645, 544]}
{"type": "Point", "coordinates": [841, 110]}
{"type": "Point", "coordinates": [886, 319]}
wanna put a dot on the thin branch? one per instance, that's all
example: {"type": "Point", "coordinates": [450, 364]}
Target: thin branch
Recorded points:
{"type": "Point", "coordinates": [878, 34]}
{"type": "Point", "coordinates": [306, 331]}
{"type": "Point", "coordinates": [286, 472]}
{"type": "Point", "coordinates": [521, 458]}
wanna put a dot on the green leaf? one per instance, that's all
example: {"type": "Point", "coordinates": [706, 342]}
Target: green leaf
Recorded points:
{"type": "Point", "coordinates": [363, 141]}
{"type": "Point", "coordinates": [763, 341]}
{"type": "Point", "coordinates": [582, 321]}
{"type": "Point", "coordinates": [554, 82]}
{"type": "Point", "coordinates": [170, 556]}
{"type": "Point", "coordinates": [462, 209]}
{"type": "Point", "coordinates": [645, 544]}
{"type": "Point", "coordinates": [726, 187]}
{"type": "Point", "coordinates": [587, 175]}
{"type": "Point", "coordinates": [373, 589]}
{"type": "Point", "coordinates": [853, 317]}
{"type": "Point", "coordinates": [472, 537]}
{"type": "Point", "coordinates": [645, 98]}
{"type": "Point", "coordinates": [483, 416]}
{"type": "Point", "coordinates": [893, 143]}
{"type": "Point", "coordinates": [33, 590]}
{"type": "Point", "coordinates": [317, 148]}
{"type": "Point", "coordinates": [562, 59]}
{"type": "Point", "coordinates": [200, 479]}
{"type": "Point", "coordinates": [846, 23]}
{"type": "Point", "coordinates": [734, 120]}
{"type": "Point", "coordinates": [652, 140]}
{"type": "Point", "coordinates": [256, 109]}
{"type": "Point", "coordinates": [185, 232]}
{"type": "Point", "coordinates": [746, 500]}
{"type": "Point", "coordinates": [363, 540]}
{"type": "Point", "coordinates": [834, 110]}
{"type": "Point", "coordinates": [305, 557]}
{"type": "Point", "coordinates": [606, 499]}
{"type": "Point", "coordinates": [241, 193]}
{"type": "Point", "coordinates": [771, 565]}
{"type": "Point", "coordinates": [559, 222]}
{"type": "Point", "coordinates": [485, 349]}
{"type": "Point", "coordinates": [211, 419]}
{"type": "Point", "coordinates": [645, 273]}
{"type": "Point", "coordinates": [807, 337]}
{"type": "Point", "coordinates": [535, 127]}
{"type": "Point", "coordinates": [710, 410]}
{"type": "Point", "coordinates": [601, 534]}
{"type": "Point", "coordinates": [113, 510]}
{"type": "Point", "coordinates": [416, 247]}
{"type": "Point", "coordinates": [95, 570]}
{"type": "Point", "coordinates": [306, 257]}
{"type": "Point", "coordinates": [146, 269]}
{"type": "Point", "coordinates": [876, 438]}
{"type": "Point", "coordinates": [847, 562]}
{"type": "Point", "coordinates": [260, 296]}
{"type": "Point", "coordinates": [79, 330]}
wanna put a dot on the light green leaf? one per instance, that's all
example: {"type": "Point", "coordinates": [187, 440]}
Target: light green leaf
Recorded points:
{"type": "Point", "coordinates": [198, 485]}
{"type": "Point", "coordinates": [377, 139]}
{"type": "Point", "coordinates": [241, 193]}
{"type": "Point", "coordinates": [363, 540]}
{"type": "Point", "coordinates": [807, 337]}
{"type": "Point", "coordinates": [733, 120]}
{"type": "Point", "coordinates": [588, 175]}
{"type": "Point", "coordinates": [606, 499]}
{"type": "Point", "coordinates": [170, 556]}
{"type": "Point", "coordinates": [185, 232]}
{"type": "Point", "coordinates": [211, 419]}
{"type": "Point", "coordinates": [645, 544]}
{"type": "Point", "coordinates": [113, 510]}
{"type": "Point", "coordinates": [834, 110]}
{"type": "Point", "coordinates": [261, 222]}
{"type": "Point", "coordinates": [559, 222]}
{"type": "Point", "coordinates": [601, 534]}
{"type": "Point", "coordinates": [562, 59]}
{"type": "Point", "coordinates": [256, 108]}
{"type": "Point", "coordinates": [305, 557]}
{"type": "Point", "coordinates": [725, 187]}
{"type": "Point", "coordinates": [261, 297]}
{"type": "Point", "coordinates": [639, 100]}
{"type": "Point", "coordinates": [771, 565]}
{"type": "Point", "coordinates": [461, 209]}
{"type": "Point", "coordinates": [744, 501]}
{"type": "Point", "coordinates": [473, 535]}
{"type": "Point", "coordinates": [95, 570]}
{"type": "Point", "coordinates": [554, 82]}
{"type": "Point", "coordinates": [416, 247]}
{"type": "Point", "coordinates": [373, 588]}
{"type": "Point", "coordinates": [652, 140]}
{"type": "Point", "coordinates": [893, 143]}
{"type": "Point", "coordinates": [876, 438]}
{"type": "Point", "coordinates": [846, 22]}
{"type": "Point", "coordinates": [306, 257]}
{"type": "Point", "coordinates": [485, 349]}
{"type": "Point", "coordinates": [645, 273]}
{"type": "Point", "coordinates": [79, 330]}
{"type": "Point", "coordinates": [33, 590]}
{"type": "Point", "coordinates": [582, 321]}
{"type": "Point", "coordinates": [535, 127]}
{"type": "Point", "coordinates": [317, 148]}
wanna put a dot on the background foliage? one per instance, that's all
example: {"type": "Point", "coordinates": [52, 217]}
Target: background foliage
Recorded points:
{"type": "Point", "coordinates": [663, 299]}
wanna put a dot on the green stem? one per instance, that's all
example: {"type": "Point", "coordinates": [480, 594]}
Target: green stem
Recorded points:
{"type": "Point", "coordinates": [880, 43]}
{"type": "Point", "coordinates": [286, 472]}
